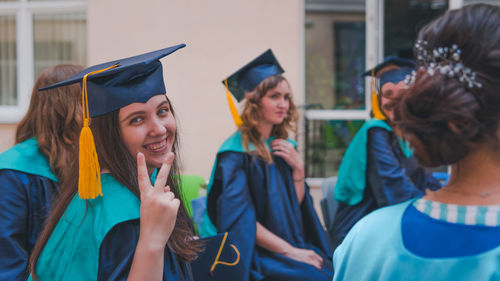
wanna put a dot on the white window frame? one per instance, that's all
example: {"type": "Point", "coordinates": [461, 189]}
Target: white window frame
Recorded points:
{"type": "Point", "coordinates": [374, 15]}
{"type": "Point", "coordinates": [24, 10]}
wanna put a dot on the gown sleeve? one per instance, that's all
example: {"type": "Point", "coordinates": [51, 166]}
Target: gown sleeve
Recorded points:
{"type": "Point", "coordinates": [230, 205]}
{"type": "Point", "coordinates": [14, 231]}
{"type": "Point", "coordinates": [386, 174]}
{"type": "Point", "coordinates": [24, 205]}
{"type": "Point", "coordinates": [117, 253]}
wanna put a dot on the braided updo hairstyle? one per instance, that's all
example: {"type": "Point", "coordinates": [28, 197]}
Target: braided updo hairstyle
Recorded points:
{"type": "Point", "coordinates": [444, 118]}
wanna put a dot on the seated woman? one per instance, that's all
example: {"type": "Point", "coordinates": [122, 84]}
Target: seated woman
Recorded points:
{"type": "Point", "coordinates": [450, 115]}
{"type": "Point", "coordinates": [130, 229]}
{"type": "Point", "coordinates": [32, 170]}
{"type": "Point", "coordinates": [378, 168]}
{"type": "Point", "coordinates": [257, 191]}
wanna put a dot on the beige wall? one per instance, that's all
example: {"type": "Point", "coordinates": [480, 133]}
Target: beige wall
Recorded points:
{"type": "Point", "coordinates": [7, 135]}
{"type": "Point", "coordinates": [221, 36]}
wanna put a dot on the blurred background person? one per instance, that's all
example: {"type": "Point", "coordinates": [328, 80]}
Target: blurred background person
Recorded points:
{"type": "Point", "coordinates": [257, 190]}
{"type": "Point", "coordinates": [378, 168]}
{"type": "Point", "coordinates": [33, 169]}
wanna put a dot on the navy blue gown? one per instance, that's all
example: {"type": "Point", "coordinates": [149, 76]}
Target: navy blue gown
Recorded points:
{"type": "Point", "coordinates": [391, 178]}
{"type": "Point", "coordinates": [24, 205]}
{"type": "Point", "coordinates": [247, 190]}
{"type": "Point", "coordinates": [117, 253]}
{"type": "Point", "coordinates": [27, 188]}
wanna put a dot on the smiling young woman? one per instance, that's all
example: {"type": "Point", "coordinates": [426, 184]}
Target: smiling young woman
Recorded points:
{"type": "Point", "coordinates": [137, 230]}
{"type": "Point", "coordinates": [149, 128]}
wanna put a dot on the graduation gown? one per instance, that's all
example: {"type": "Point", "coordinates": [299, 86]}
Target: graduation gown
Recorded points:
{"type": "Point", "coordinates": [400, 243]}
{"type": "Point", "coordinates": [245, 190]}
{"type": "Point", "coordinates": [96, 240]}
{"type": "Point", "coordinates": [27, 187]}
{"type": "Point", "coordinates": [378, 170]}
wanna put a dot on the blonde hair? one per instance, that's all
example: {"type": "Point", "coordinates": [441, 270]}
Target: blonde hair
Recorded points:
{"type": "Point", "coordinates": [252, 114]}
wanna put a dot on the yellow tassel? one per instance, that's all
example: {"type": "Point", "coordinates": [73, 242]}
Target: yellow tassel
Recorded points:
{"type": "Point", "coordinates": [89, 172]}
{"type": "Point", "coordinates": [377, 112]}
{"type": "Point", "coordinates": [89, 181]}
{"type": "Point", "coordinates": [232, 107]}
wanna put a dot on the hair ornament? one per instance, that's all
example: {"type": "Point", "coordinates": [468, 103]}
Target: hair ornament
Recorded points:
{"type": "Point", "coordinates": [445, 61]}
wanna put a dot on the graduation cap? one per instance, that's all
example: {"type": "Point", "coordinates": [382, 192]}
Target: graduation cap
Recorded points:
{"type": "Point", "coordinates": [123, 81]}
{"type": "Point", "coordinates": [248, 77]}
{"type": "Point", "coordinates": [404, 67]}
{"type": "Point", "coordinates": [390, 60]}
{"type": "Point", "coordinates": [219, 261]}
{"type": "Point", "coordinates": [108, 87]}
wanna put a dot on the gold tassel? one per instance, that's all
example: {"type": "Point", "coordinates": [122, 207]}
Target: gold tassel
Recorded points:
{"type": "Point", "coordinates": [377, 112]}
{"type": "Point", "coordinates": [89, 181]}
{"type": "Point", "coordinates": [232, 107]}
{"type": "Point", "coordinates": [89, 171]}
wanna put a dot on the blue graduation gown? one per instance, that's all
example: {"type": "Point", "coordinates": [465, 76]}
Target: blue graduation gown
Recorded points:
{"type": "Point", "coordinates": [96, 240]}
{"type": "Point", "coordinates": [399, 243]}
{"type": "Point", "coordinates": [391, 177]}
{"type": "Point", "coordinates": [28, 187]}
{"type": "Point", "coordinates": [245, 190]}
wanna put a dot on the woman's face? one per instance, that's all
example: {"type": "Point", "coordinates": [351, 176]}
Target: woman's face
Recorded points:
{"type": "Point", "coordinates": [389, 94]}
{"type": "Point", "coordinates": [275, 104]}
{"type": "Point", "coordinates": [148, 128]}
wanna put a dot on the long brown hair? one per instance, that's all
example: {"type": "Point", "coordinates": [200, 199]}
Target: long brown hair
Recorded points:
{"type": "Point", "coordinates": [54, 118]}
{"type": "Point", "coordinates": [252, 114]}
{"type": "Point", "coordinates": [110, 148]}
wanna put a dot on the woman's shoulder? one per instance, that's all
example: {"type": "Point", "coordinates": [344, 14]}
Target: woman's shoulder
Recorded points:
{"type": "Point", "coordinates": [232, 143]}
{"type": "Point", "coordinates": [381, 219]}
{"type": "Point", "coordinates": [25, 157]}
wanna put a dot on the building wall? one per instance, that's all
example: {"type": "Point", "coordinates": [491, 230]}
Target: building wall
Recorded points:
{"type": "Point", "coordinates": [7, 135]}
{"type": "Point", "coordinates": [221, 36]}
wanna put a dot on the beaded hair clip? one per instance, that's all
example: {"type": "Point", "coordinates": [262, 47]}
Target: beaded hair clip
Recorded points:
{"type": "Point", "coordinates": [446, 61]}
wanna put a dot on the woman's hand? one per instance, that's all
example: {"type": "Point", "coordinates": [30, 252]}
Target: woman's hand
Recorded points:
{"type": "Point", "coordinates": [305, 256]}
{"type": "Point", "coordinates": [285, 150]}
{"type": "Point", "coordinates": [158, 204]}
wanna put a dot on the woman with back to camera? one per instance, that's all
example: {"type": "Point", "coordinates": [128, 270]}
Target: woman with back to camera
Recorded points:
{"type": "Point", "coordinates": [450, 115]}
{"type": "Point", "coordinates": [257, 190]}
{"type": "Point", "coordinates": [32, 170]}
{"type": "Point", "coordinates": [131, 229]}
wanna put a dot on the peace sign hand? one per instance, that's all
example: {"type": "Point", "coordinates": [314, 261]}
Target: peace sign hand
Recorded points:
{"type": "Point", "coordinates": [159, 206]}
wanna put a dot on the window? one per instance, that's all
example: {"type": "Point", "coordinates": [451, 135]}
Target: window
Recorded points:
{"type": "Point", "coordinates": [36, 34]}
{"type": "Point", "coordinates": [335, 92]}
{"type": "Point", "coordinates": [343, 38]}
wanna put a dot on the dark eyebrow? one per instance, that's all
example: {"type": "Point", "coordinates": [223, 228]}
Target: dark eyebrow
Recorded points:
{"type": "Point", "coordinates": [388, 93]}
{"type": "Point", "coordinates": [163, 103]}
{"type": "Point", "coordinates": [143, 112]}
{"type": "Point", "coordinates": [133, 114]}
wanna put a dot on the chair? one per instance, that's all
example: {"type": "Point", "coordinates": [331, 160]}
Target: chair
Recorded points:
{"type": "Point", "coordinates": [190, 187]}
{"type": "Point", "coordinates": [328, 204]}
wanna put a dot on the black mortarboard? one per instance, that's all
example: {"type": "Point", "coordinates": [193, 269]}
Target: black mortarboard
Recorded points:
{"type": "Point", "coordinates": [134, 79]}
{"type": "Point", "coordinates": [108, 87]}
{"type": "Point", "coordinates": [219, 261]}
{"type": "Point", "coordinates": [391, 60]}
{"type": "Point", "coordinates": [249, 76]}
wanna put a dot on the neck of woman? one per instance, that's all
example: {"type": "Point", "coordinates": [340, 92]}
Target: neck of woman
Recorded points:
{"type": "Point", "coordinates": [265, 129]}
{"type": "Point", "coordinates": [474, 180]}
